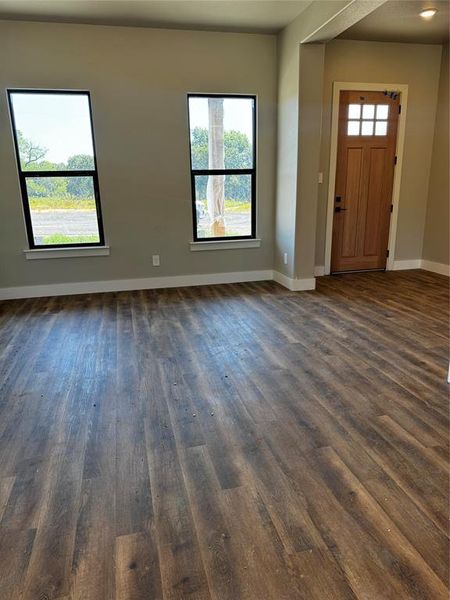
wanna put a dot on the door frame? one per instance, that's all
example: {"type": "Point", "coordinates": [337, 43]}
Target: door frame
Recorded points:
{"type": "Point", "coordinates": [339, 86]}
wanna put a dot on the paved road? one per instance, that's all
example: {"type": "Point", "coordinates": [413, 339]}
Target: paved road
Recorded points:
{"type": "Point", "coordinates": [84, 222]}
{"type": "Point", "coordinates": [67, 222]}
{"type": "Point", "coordinates": [237, 223]}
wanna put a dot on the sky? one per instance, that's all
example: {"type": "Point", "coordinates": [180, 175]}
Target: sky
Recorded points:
{"type": "Point", "coordinates": [237, 114]}
{"type": "Point", "coordinates": [61, 123]}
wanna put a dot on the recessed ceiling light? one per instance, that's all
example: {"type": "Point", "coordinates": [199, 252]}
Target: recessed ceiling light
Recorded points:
{"type": "Point", "coordinates": [428, 13]}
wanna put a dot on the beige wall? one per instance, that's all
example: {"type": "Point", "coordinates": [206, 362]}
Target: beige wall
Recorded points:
{"type": "Point", "coordinates": [373, 62]}
{"type": "Point", "coordinates": [436, 239]}
{"type": "Point", "coordinates": [300, 81]}
{"type": "Point", "coordinates": [287, 150]}
{"type": "Point", "coordinates": [310, 126]}
{"type": "Point", "coordinates": [138, 80]}
{"type": "Point", "coordinates": [290, 81]}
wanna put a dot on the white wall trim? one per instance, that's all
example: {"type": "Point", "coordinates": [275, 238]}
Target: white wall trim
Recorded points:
{"type": "Point", "coordinates": [224, 245]}
{"type": "Point", "coordinates": [435, 267]}
{"type": "Point", "coordinates": [150, 283]}
{"type": "Point", "coordinates": [295, 285]}
{"type": "Point", "coordinates": [82, 251]}
{"type": "Point", "coordinates": [319, 270]}
{"type": "Point", "coordinates": [338, 86]}
{"type": "Point", "coordinates": [401, 265]}
{"type": "Point", "coordinates": [119, 285]}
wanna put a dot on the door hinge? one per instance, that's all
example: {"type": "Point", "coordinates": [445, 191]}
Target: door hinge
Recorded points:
{"type": "Point", "coordinates": [395, 160]}
{"type": "Point", "coordinates": [387, 253]}
{"type": "Point", "coordinates": [392, 208]}
{"type": "Point", "coordinates": [399, 109]}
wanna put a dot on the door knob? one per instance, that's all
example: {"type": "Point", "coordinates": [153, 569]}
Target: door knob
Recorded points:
{"type": "Point", "coordinates": [339, 209]}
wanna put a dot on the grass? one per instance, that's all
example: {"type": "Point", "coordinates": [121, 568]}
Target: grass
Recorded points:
{"type": "Point", "coordinates": [231, 206]}
{"type": "Point", "coordinates": [206, 233]}
{"type": "Point", "coordinates": [60, 238]}
{"type": "Point", "coordinates": [38, 204]}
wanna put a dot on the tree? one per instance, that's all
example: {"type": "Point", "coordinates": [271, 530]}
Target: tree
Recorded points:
{"type": "Point", "coordinates": [47, 187]}
{"type": "Point", "coordinates": [29, 152]}
{"type": "Point", "coordinates": [81, 162]}
{"type": "Point", "coordinates": [199, 148]}
{"type": "Point", "coordinates": [215, 190]}
{"type": "Point", "coordinates": [238, 155]}
{"type": "Point", "coordinates": [80, 187]}
{"type": "Point", "coordinates": [31, 156]}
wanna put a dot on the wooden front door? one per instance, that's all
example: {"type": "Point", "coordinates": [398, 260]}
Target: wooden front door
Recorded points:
{"type": "Point", "coordinates": [364, 176]}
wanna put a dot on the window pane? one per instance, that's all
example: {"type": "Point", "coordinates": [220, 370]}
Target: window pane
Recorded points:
{"type": "Point", "coordinates": [381, 128]}
{"type": "Point", "coordinates": [353, 128]}
{"type": "Point", "coordinates": [354, 111]}
{"type": "Point", "coordinates": [63, 210]}
{"type": "Point", "coordinates": [369, 111]}
{"type": "Point", "coordinates": [382, 111]}
{"type": "Point", "coordinates": [367, 128]}
{"type": "Point", "coordinates": [223, 205]}
{"type": "Point", "coordinates": [221, 131]}
{"type": "Point", "coordinates": [53, 131]}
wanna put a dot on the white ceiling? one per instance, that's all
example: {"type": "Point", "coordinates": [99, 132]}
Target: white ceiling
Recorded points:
{"type": "Point", "coordinates": [262, 16]}
{"type": "Point", "coordinates": [399, 21]}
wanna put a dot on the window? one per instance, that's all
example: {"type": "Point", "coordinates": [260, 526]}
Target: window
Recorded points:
{"type": "Point", "coordinates": [223, 174]}
{"type": "Point", "coordinates": [367, 119]}
{"type": "Point", "coordinates": [55, 151]}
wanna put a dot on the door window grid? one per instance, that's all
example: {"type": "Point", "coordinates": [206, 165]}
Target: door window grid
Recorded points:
{"type": "Point", "coordinates": [367, 119]}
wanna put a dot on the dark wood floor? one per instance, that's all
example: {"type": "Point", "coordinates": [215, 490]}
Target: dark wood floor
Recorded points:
{"type": "Point", "coordinates": [227, 442]}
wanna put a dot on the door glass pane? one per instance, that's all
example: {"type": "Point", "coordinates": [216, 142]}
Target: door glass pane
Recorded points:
{"type": "Point", "coordinates": [368, 111]}
{"type": "Point", "coordinates": [63, 210]}
{"type": "Point", "coordinates": [382, 111]}
{"type": "Point", "coordinates": [223, 205]}
{"type": "Point", "coordinates": [221, 131]}
{"type": "Point", "coordinates": [353, 128]}
{"type": "Point", "coordinates": [53, 131]}
{"type": "Point", "coordinates": [367, 128]}
{"type": "Point", "coordinates": [381, 128]}
{"type": "Point", "coordinates": [354, 111]}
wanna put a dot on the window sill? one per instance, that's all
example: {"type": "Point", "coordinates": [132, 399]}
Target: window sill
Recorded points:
{"type": "Point", "coordinates": [224, 245]}
{"type": "Point", "coordinates": [75, 252]}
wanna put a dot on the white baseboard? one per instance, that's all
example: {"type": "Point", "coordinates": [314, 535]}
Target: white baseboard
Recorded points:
{"type": "Point", "coordinates": [427, 265]}
{"type": "Point", "coordinates": [295, 285]}
{"type": "Point", "coordinates": [148, 283]}
{"type": "Point", "coordinates": [435, 267]}
{"type": "Point", "coordinates": [401, 265]}
{"type": "Point", "coordinates": [319, 270]}
{"type": "Point", "coordinates": [119, 285]}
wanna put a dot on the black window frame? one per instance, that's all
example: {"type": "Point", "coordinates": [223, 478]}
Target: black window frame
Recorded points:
{"type": "Point", "coordinates": [251, 171]}
{"type": "Point", "coordinates": [24, 175]}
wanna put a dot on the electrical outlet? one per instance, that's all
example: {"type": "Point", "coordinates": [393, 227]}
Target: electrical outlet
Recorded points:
{"type": "Point", "coordinates": [320, 177]}
{"type": "Point", "coordinates": [285, 258]}
{"type": "Point", "coordinates": [155, 259]}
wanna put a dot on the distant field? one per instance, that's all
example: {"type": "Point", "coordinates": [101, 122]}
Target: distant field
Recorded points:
{"type": "Point", "coordinates": [62, 203]}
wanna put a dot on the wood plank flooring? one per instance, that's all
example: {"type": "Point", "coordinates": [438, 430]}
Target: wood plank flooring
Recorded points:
{"type": "Point", "coordinates": [227, 442]}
